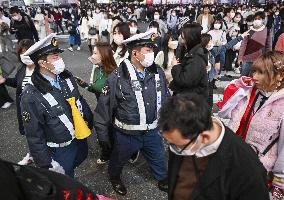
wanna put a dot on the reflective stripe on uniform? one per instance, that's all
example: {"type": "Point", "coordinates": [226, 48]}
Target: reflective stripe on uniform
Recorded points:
{"type": "Point", "coordinates": [79, 106]}
{"type": "Point", "coordinates": [141, 127]}
{"type": "Point", "coordinates": [50, 99]}
{"type": "Point", "coordinates": [137, 91]}
{"type": "Point", "coordinates": [136, 86]}
{"type": "Point", "coordinates": [54, 145]}
{"type": "Point", "coordinates": [63, 118]}
{"type": "Point", "coordinates": [70, 85]}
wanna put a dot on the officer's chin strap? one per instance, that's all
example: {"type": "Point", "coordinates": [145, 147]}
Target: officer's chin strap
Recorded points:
{"type": "Point", "coordinates": [82, 131]}
{"type": "Point", "coordinates": [48, 68]}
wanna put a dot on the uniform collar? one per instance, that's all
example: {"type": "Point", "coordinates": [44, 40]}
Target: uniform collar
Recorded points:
{"type": "Point", "coordinates": [53, 82]}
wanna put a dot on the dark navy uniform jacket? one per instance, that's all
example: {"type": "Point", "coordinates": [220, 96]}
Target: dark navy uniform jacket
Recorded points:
{"type": "Point", "coordinates": [42, 121]}
{"type": "Point", "coordinates": [118, 100]}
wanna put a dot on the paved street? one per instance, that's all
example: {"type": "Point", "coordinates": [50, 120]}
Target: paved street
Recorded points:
{"type": "Point", "coordinates": [137, 177]}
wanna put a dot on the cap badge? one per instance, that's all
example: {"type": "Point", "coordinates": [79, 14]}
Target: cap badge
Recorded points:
{"type": "Point", "coordinates": [54, 42]}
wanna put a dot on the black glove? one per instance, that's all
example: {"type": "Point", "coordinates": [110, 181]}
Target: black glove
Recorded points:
{"type": "Point", "coordinates": [82, 83]}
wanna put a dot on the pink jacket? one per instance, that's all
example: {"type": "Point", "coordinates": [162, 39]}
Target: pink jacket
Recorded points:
{"type": "Point", "coordinates": [266, 125]}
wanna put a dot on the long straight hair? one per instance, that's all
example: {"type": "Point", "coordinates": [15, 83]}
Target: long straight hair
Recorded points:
{"type": "Point", "coordinates": [124, 29]}
{"type": "Point", "coordinates": [165, 48]}
{"type": "Point", "coordinates": [108, 61]}
{"type": "Point", "coordinates": [192, 35]}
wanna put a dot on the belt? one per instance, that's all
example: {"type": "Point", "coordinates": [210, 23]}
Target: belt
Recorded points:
{"type": "Point", "coordinates": [55, 145]}
{"type": "Point", "coordinates": [141, 127]}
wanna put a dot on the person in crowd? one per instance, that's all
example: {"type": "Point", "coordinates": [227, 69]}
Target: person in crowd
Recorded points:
{"type": "Point", "coordinates": [229, 19]}
{"type": "Point", "coordinates": [5, 36]}
{"type": "Point", "coordinates": [97, 17]}
{"type": "Point", "coordinates": [39, 23]}
{"type": "Point", "coordinates": [58, 20]}
{"type": "Point", "coordinates": [133, 112]}
{"type": "Point", "coordinates": [84, 28]}
{"type": "Point", "coordinates": [48, 21]}
{"type": "Point", "coordinates": [133, 27]}
{"type": "Point", "coordinates": [281, 28]}
{"type": "Point", "coordinates": [167, 54]}
{"type": "Point", "coordinates": [214, 52]}
{"type": "Point", "coordinates": [66, 15]}
{"type": "Point", "coordinates": [172, 21]}
{"type": "Point", "coordinates": [218, 38]}
{"type": "Point", "coordinates": [259, 99]}
{"type": "Point", "coordinates": [272, 8]}
{"type": "Point", "coordinates": [22, 77]}
{"type": "Point", "coordinates": [74, 34]}
{"type": "Point", "coordinates": [121, 32]}
{"type": "Point", "coordinates": [205, 19]}
{"type": "Point", "coordinates": [206, 159]}
{"type": "Point", "coordinates": [51, 107]}
{"type": "Point", "coordinates": [104, 28]}
{"type": "Point", "coordinates": [156, 37]}
{"type": "Point", "coordinates": [190, 74]}
{"type": "Point", "coordinates": [130, 15]}
{"type": "Point", "coordinates": [259, 42]}
{"type": "Point", "coordinates": [190, 11]}
{"type": "Point", "coordinates": [22, 25]}
{"type": "Point", "coordinates": [103, 65]}
{"type": "Point", "coordinates": [5, 99]}
{"type": "Point", "coordinates": [162, 25]}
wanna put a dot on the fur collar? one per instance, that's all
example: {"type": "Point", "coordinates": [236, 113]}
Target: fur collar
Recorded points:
{"type": "Point", "coordinates": [42, 84]}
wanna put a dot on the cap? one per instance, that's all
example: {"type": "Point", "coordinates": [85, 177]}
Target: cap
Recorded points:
{"type": "Point", "coordinates": [141, 39]}
{"type": "Point", "coordinates": [46, 46]}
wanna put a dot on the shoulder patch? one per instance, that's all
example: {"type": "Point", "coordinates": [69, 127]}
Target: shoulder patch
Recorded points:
{"type": "Point", "coordinates": [105, 90]}
{"type": "Point", "coordinates": [26, 116]}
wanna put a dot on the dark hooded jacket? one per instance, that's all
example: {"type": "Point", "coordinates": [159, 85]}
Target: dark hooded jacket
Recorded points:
{"type": "Point", "coordinates": [191, 74]}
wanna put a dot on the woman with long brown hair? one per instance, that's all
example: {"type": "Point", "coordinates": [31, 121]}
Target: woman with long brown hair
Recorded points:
{"type": "Point", "coordinates": [103, 64]}
{"type": "Point", "coordinates": [255, 107]}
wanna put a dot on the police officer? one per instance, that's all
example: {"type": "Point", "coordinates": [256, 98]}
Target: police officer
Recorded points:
{"type": "Point", "coordinates": [48, 117]}
{"type": "Point", "coordinates": [130, 102]}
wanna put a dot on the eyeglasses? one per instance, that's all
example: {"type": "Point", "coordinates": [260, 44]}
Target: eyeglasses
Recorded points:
{"type": "Point", "coordinates": [178, 150]}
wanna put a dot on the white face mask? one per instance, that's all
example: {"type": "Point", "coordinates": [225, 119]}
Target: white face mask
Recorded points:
{"type": "Point", "coordinates": [59, 66]}
{"type": "Point", "coordinates": [186, 152]}
{"type": "Point", "coordinates": [174, 14]}
{"type": "Point", "coordinates": [133, 30]}
{"type": "Point", "coordinates": [117, 39]}
{"type": "Point", "coordinates": [26, 60]}
{"type": "Point", "coordinates": [237, 19]}
{"type": "Point", "coordinates": [17, 18]}
{"type": "Point", "coordinates": [173, 44]}
{"type": "Point", "coordinates": [276, 13]}
{"type": "Point", "coordinates": [239, 11]}
{"type": "Point", "coordinates": [89, 13]}
{"type": "Point", "coordinates": [156, 17]}
{"type": "Point", "coordinates": [257, 23]}
{"type": "Point", "coordinates": [148, 59]}
{"type": "Point", "coordinates": [217, 26]}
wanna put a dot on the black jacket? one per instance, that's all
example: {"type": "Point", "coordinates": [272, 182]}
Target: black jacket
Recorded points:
{"type": "Point", "coordinates": [233, 173]}
{"type": "Point", "coordinates": [16, 82]}
{"type": "Point", "coordinates": [120, 101]}
{"type": "Point", "coordinates": [191, 74]}
{"type": "Point", "coordinates": [25, 29]}
{"type": "Point", "coordinates": [42, 121]}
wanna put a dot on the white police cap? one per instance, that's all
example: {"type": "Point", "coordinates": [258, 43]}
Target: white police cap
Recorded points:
{"type": "Point", "coordinates": [45, 46]}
